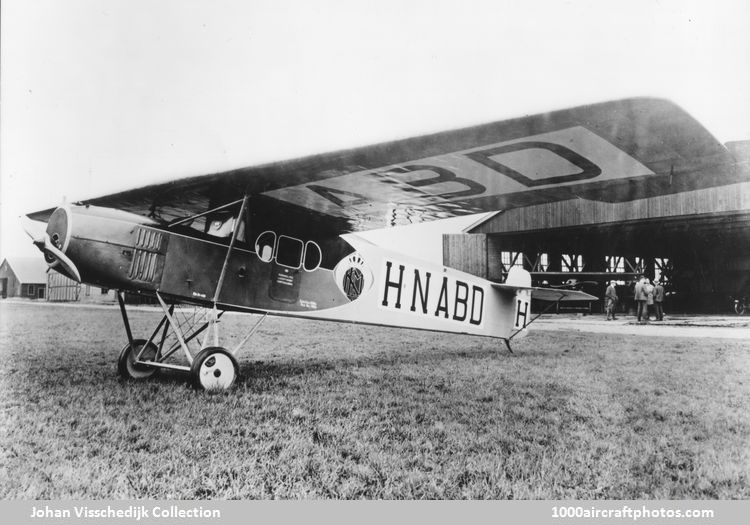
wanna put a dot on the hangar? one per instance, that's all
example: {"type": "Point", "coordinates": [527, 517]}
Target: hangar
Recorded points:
{"type": "Point", "coordinates": [696, 242]}
{"type": "Point", "coordinates": [23, 277]}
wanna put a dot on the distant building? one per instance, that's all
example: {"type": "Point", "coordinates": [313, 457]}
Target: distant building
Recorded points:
{"type": "Point", "coordinates": [30, 277]}
{"type": "Point", "coordinates": [61, 288]}
{"type": "Point", "coordinates": [64, 289]}
{"type": "Point", "coordinates": [23, 277]}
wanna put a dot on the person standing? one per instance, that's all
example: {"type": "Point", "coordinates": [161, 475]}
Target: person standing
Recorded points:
{"type": "Point", "coordinates": [640, 298]}
{"type": "Point", "coordinates": [610, 301]}
{"type": "Point", "coordinates": [659, 300]}
{"type": "Point", "coordinates": [648, 289]}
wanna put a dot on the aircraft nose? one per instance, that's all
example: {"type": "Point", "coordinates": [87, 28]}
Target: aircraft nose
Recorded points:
{"type": "Point", "coordinates": [58, 228]}
{"type": "Point", "coordinates": [54, 242]}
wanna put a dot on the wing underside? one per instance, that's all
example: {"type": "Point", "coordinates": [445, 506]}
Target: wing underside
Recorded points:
{"type": "Point", "coordinates": [549, 294]}
{"type": "Point", "coordinates": [614, 151]}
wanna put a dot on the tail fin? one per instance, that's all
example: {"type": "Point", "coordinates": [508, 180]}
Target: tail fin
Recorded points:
{"type": "Point", "coordinates": [518, 282]}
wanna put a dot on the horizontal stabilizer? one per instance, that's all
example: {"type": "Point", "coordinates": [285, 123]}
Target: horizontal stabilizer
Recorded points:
{"type": "Point", "coordinates": [549, 294]}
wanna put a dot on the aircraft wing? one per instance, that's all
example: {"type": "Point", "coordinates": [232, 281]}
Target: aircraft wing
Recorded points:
{"type": "Point", "coordinates": [614, 151]}
{"type": "Point", "coordinates": [549, 294]}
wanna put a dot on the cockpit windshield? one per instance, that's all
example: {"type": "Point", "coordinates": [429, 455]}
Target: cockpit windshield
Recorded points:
{"type": "Point", "coordinates": [219, 222]}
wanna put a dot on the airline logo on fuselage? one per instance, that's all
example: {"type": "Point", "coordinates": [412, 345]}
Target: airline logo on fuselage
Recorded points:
{"type": "Point", "coordinates": [441, 297]}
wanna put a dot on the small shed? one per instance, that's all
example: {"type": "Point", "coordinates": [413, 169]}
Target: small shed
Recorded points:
{"type": "Point", "coordinates": [23, 277]}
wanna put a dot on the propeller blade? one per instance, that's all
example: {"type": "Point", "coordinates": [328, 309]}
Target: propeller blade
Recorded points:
{"type": "Point", "coordinates": [45, 244]}
{"type": "Point", "coordinates": [33, 229]}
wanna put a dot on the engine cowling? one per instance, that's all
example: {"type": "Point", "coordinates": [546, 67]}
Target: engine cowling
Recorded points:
{"type": "Point", "coordinates": [91, 244]}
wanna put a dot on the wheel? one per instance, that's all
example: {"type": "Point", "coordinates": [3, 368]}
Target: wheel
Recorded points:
{"type": "Point", "coordinates": [126, 366]}
{"type": "Point", "coordinates": [739, 307]}
{"type": "Point", "coordinates": [214, 368]}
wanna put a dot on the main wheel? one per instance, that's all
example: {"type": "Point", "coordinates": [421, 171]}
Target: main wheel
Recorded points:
{"type": "Point", "coordinates": [126, 365]}
{"type": "Point", "coordinates": [214, 368]}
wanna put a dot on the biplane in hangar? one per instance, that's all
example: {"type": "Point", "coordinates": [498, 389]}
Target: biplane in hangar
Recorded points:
{"type": "Point", "coordinates": [283, 238]}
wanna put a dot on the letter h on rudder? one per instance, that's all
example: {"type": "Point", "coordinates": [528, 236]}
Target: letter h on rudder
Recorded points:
{"type": "Point", "coordinates": [522, 310]}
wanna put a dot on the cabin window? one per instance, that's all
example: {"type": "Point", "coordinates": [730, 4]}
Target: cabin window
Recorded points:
{"type": "Point", "coordinates": [264, 246]}
{"type": "Point", "coordinates": [31, 291]}
{"type": "Point", "coordinates": [289, 252]}
{"type": "Point", "coordinates": [313, 256]}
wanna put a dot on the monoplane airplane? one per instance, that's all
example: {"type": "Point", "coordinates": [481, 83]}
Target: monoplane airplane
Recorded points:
{"type": "Point", "coordinates": [283, 238]}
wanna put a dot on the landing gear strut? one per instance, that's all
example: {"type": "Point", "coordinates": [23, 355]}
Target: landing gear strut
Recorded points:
{"type": "Point", "coordinates": [210, 367]}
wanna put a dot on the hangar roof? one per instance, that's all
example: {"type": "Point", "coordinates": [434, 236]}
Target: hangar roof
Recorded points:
{"type": "Point", "coordinates": [728, 198]}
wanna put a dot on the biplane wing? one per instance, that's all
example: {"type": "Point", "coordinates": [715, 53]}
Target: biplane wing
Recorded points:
{"type": "Point", "coordinates": [614, 151]}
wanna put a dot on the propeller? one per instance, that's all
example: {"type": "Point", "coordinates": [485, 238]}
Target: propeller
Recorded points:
{"type": "Point", "coordinates": [53, 254]}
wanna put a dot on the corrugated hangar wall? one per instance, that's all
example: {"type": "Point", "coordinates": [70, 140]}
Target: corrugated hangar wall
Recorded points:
{"type": "Point", "coordinates": [720, 200]}
{"type": "Point", "coordinates": [698, 242]}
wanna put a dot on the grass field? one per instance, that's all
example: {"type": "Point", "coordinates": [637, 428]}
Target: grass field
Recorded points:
{"type": "Point", "coordinates": [327, 410]}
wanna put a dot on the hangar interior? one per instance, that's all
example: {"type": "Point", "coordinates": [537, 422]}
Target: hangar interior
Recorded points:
{"type": "Point", "coordinates": [696, 242]}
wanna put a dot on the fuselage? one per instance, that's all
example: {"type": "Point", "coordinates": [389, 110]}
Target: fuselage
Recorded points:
{"type": "Point", "coordinates": [275, 272]}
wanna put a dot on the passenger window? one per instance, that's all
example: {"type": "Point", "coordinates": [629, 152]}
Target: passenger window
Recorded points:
{"type": "Point", "coordinates": [313, 256]}
{"type": "Point", "coordinates": [264, 246]}
{"type": "Point", "coordinates": [289, 252]}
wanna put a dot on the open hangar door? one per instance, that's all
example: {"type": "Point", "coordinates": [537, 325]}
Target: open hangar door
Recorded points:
{"type": "Point", "coordinates": [697, 243]}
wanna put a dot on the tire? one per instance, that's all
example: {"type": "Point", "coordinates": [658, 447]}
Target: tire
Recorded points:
{"type": "Point", "coordinates": [214, 369]}
{"type": "Point", "coordinates": [126, 366]}
{"type": "Point", "coordinates": [739, 307]}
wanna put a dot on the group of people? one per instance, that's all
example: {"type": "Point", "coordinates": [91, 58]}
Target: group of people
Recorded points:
{"type": "Point", "coordinates": [647, 297]}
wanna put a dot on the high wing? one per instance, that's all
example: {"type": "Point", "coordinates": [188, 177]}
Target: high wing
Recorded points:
{"type": "Point", "coordinates": [614, 151]}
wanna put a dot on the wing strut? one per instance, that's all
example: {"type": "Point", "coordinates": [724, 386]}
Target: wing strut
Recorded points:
{"type": "Point", "coordinates": [214, 315]}
{"type": "Point", "coordinates": [229, 252]}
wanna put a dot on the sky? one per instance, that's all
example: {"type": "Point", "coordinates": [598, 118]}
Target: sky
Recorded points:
{"type": "Point", "coordinates": [98, 96]}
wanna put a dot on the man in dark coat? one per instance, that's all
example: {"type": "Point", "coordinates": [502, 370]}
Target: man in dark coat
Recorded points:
{"type": "Point", "coordinates": [610, 300]}
{"type": "Point", "coordinates": [659, 301]}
